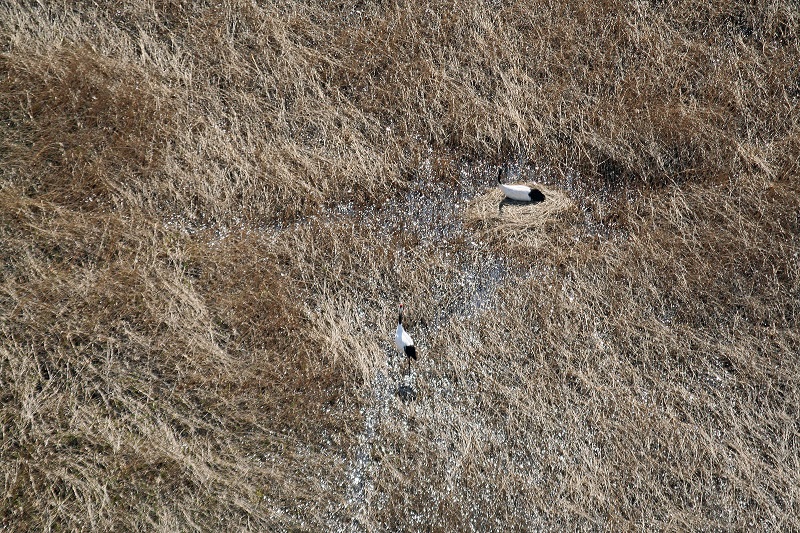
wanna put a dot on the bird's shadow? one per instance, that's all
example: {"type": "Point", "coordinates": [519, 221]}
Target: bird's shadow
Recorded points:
{"type": "Point", "coordinates": [405, 390]}
{"type": "Point", "coordinates": [407, 393]}
{"type": "Point", "coordinates": [508, 201]}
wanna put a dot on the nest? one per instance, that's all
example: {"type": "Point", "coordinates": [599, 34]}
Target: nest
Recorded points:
{"type": "Point", "coordinates": [505, 222]}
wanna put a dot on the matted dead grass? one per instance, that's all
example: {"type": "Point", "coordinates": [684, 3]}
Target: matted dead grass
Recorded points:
{"type": "Point", "coordinates": [210, 211]}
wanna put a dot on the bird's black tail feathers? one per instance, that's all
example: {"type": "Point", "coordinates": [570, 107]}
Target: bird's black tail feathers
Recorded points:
{"type": "Point", "coordinates": [536, 196]}
{"type": "Point", "coordinates": [411, 352]}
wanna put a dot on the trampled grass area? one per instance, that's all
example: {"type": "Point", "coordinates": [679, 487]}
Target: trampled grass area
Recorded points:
{"type": "Point", "coordinates": [209, 213]}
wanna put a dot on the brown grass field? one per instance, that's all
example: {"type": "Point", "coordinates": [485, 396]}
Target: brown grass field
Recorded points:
{"type": "Point", "coordinates": [210, 211]}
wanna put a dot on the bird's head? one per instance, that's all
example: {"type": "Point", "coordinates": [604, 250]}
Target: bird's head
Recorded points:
{"type": "Point", "coordinates": [499, 174]}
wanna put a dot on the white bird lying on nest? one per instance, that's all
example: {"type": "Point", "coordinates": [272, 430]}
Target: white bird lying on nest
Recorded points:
{"type": "Point", "coordinates": [520, 193]}
{"type": "Point", "coordinates": [403, 341]}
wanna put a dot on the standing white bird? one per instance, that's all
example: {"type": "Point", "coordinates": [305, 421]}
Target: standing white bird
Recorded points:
{"type": "Point", "coordinates": [403, 341]}
{"type": "Point", "coordinates": [521, 193]}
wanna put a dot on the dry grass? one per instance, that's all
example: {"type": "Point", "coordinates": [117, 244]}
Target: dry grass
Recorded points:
{"type": "Point", "coordinates": [209, 212]}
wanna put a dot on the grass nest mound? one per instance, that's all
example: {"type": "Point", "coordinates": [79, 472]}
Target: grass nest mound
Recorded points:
{"type": "Point", "coordinates": [504, 222]}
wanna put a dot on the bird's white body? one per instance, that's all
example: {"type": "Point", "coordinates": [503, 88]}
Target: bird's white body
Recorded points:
{"type": "Point", "coordinates": [402, 339]}
{"type": "Point", "coordinates": [521, 193]}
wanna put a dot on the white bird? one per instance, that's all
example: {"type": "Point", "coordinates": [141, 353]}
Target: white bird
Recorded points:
{"type": "Point", "coordinates": [521, 193]}
{"type": "Point", "coordinates": [403, 341]}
